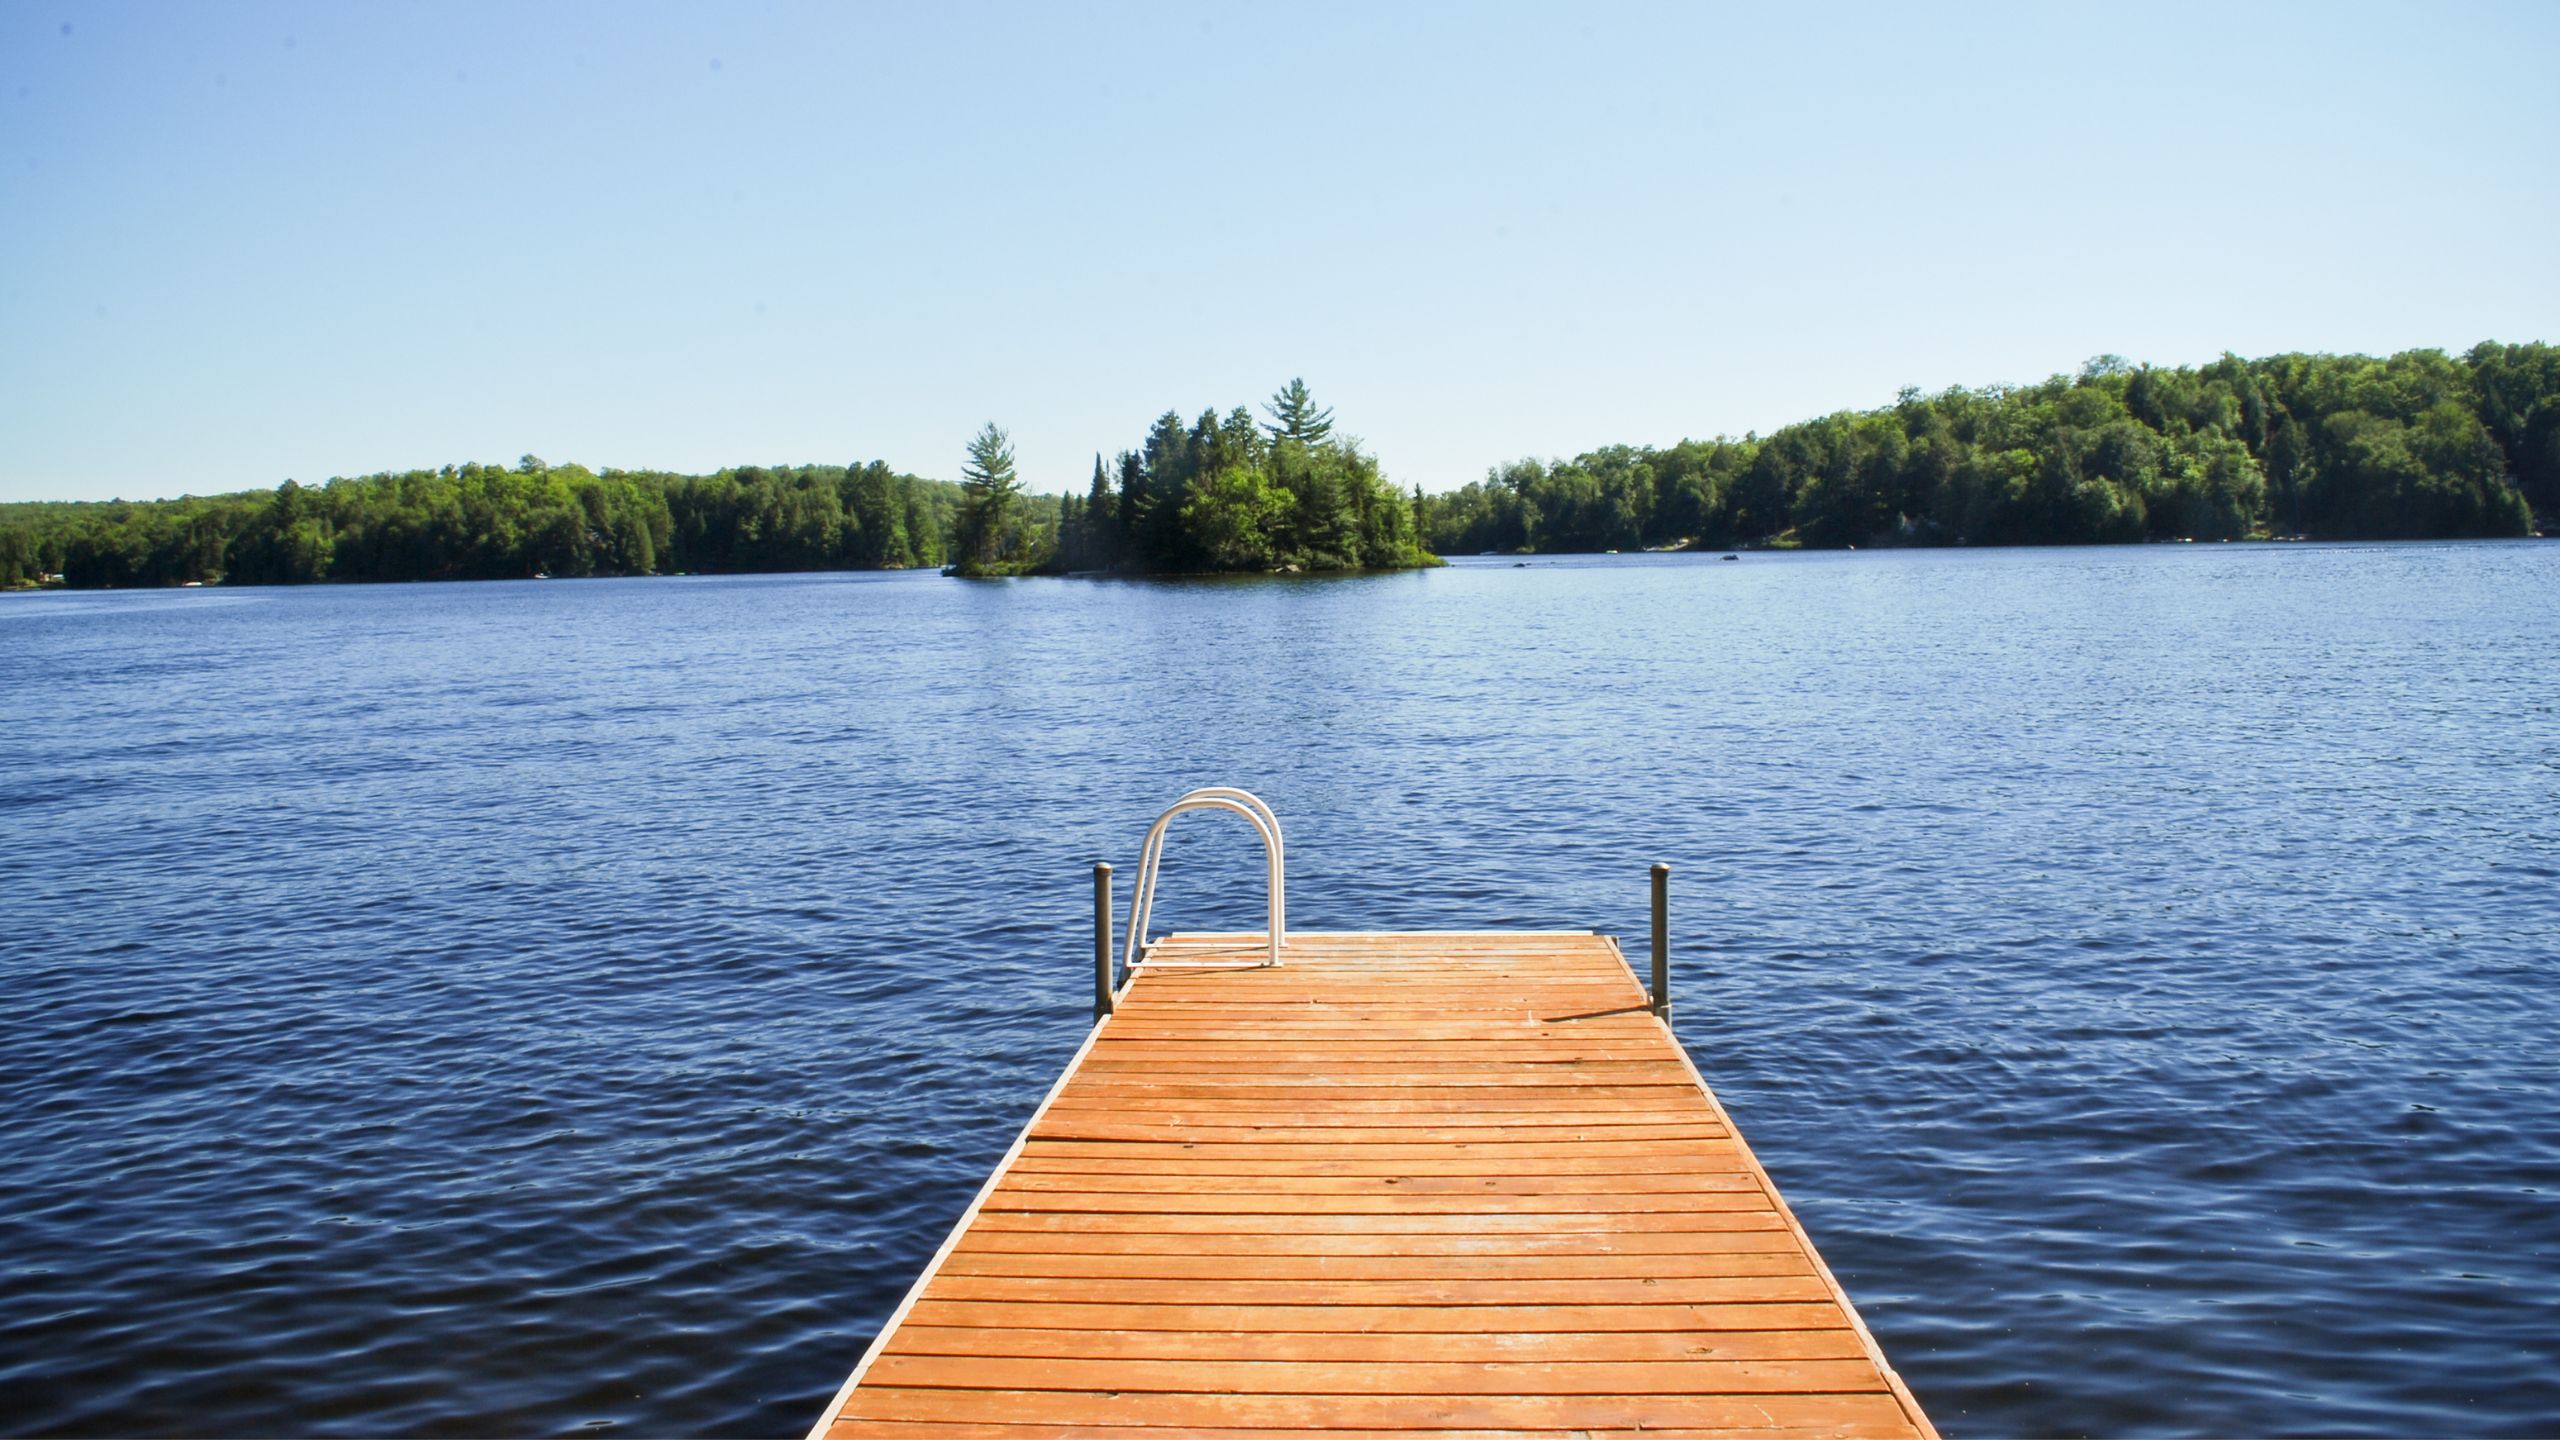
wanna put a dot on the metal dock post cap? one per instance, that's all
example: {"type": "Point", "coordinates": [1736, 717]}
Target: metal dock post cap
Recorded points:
{"type": "Point", "coordinates": [1662, 941]}
{"type": "Point", "coordinates": [1101, 940]}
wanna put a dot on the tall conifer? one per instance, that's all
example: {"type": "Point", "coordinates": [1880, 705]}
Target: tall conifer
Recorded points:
{"type": "Point", "coordinates": [989, 484]}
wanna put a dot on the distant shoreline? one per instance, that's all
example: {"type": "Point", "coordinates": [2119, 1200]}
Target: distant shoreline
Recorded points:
{"type": "Point", "coordinates": [1477, 561]}
{"type": "Point", "coordinates": [2417, 446]}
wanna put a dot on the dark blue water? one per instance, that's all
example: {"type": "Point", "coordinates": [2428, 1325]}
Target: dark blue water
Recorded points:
{"type": "Point", "coordinates": [544, 1007]}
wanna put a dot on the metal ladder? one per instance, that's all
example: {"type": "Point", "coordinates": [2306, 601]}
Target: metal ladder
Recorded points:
{"type": "Point", "coordinates": [1107, 985]}
{"type": "Point", "coordinates": [1235, 802]}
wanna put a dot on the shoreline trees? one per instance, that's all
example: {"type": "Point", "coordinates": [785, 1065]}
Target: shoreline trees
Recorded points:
{"type": "Point", "coordinates": [1223, 494]}
{"type": "Point", "coordinates": [2420, 445]}
{"type": "Point", "coordinates": [491, 522]}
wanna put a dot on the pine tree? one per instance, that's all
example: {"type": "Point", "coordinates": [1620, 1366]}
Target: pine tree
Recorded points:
{"type": "Point", "coordinates": [989, 485]}
{"type": "Point", "coordinates": [1136, 507]}
{"type": "Point", "coordinates": [1295, 415]}
{"type": "Point", "coordinates": [1097, 497]}
{"type": "Point", "coordinates": [1101, 526]}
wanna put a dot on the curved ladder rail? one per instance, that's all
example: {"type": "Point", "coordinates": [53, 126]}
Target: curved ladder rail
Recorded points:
{"type": "Point", "coordinates": [1151, 857]}
{"type": "Point", "coordinates": [1276, 852]}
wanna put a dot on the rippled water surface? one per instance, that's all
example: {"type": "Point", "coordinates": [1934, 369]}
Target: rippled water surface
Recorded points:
{"type": "Point", "coordinates": [560, 1007]}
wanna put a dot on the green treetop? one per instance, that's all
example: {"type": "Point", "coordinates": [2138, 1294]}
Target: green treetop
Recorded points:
{"type": "Point", "coordinates": [1295, 416]}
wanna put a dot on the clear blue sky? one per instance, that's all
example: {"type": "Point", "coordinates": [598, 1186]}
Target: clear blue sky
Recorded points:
{"type": "Point", "coordinates": [240, 242]}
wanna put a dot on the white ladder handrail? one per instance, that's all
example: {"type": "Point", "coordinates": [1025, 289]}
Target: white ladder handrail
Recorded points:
{"type": "Point", "coordinates": [1235, 802]}
{"type": "Point", "coordinates": [1277, 852]}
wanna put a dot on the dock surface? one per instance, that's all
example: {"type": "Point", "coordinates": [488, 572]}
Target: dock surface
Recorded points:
{"type": "Point", "coordinates": [1462, 1184]}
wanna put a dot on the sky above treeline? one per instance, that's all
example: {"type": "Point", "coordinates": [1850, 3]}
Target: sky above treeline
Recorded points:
{"type": "Point", "coordinates": [246, 242]}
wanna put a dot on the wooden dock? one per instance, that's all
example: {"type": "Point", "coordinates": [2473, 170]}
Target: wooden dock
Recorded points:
{"type": "Point", "coordinates": [1465, 1184]}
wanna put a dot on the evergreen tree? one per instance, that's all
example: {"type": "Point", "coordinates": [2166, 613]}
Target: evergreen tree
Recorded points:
{"type": "Point", "coordinates": [1097, 495]}
{"type": "Point", "coordinates": [1294, 415]}
{"type": "Point", "coordinates": [1099, 530]}
{"type": "Point", "coordinates": [1136, 505]}
{"type": "Point", "coordinates": [989, 484]}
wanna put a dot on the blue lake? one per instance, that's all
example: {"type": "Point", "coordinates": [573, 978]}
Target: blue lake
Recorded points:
{"type": "Point", "coordinates": [574, 1007]}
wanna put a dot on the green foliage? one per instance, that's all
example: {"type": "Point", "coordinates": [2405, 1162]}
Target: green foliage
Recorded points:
{"type": "Point", "coordinates": [1294, 415]}
{"type": "Point", "coordinates": [2516, 391]}
{"type": "Point", "coordinates": [1223, 493]}
{"type": "Point", "coordinates": [989, 540]}
{"type": "Point", "coordinates": [491, 522]}
{"type": "Point", "coordinates": [2419, 445]}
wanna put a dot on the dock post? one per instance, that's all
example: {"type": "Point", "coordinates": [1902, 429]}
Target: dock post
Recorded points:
{"type": "Point", "coordinates": [1101, 941]}
{"type": "Point", "coordinates": [1662, 941]}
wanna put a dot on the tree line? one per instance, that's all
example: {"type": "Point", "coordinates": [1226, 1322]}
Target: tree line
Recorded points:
{"type": "Point", "coordinates": [2421, 445]}
{"type": "Point", "coordinates": [484, 522]}
{"type": "Point", "coordinates": [1224, 493]}
{"type": "Point", "coordinates": [2418, 445]}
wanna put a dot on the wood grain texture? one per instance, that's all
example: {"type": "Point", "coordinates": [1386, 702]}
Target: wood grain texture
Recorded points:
{"type": "Point", "coordinates": [1443, 1184]}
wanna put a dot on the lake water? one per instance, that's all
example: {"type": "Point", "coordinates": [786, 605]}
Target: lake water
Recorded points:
{"type": "Point", "coordinates": [580, 1006]}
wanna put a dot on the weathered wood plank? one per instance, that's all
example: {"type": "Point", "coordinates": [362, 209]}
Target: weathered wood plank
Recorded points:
{"type": "Point", "coordinates": [1077, 1127]}
{"type": "Point", "coordinates": [1379, 1195]}
{"type": "Point", "coordinates": [1870, 1414]}
{"type": "Point", "coordinates": [1545, 1108]}
{"type": "Point", "coordinates": [1383, 1377]}
{"type": "Point", "coordinates": [1393, 1070]}
{"type": "Point", "coordinates": [1702, 1157]}
{"type": "Point", "coordinates": [1402, 1183]}
{"type": "Point", "coordinates": [1520, 1150]}
{"type": "Point", "coordinates": [1750, 1289]}
{"type": "Point", "coordinates": [1771, 1240]}
{"type": "Point", "coordinates": [1713, 1264]}
{"type": "Point", "coordinates": [1479, 1320]}
{"type": "Point", "coordinates": [1400, 1223]}
{"type": "Point", "coordinates": [997, 1431]}
{"type": "Point", "coordinates": [1622, 1346]}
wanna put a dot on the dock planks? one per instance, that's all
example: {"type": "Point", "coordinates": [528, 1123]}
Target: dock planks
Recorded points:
{"type": "Point", "coordinates": [1403, 1185]}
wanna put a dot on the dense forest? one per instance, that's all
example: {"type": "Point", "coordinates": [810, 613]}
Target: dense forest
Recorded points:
{"type": "Point", "coordinates": [480, 522]}
{"type": "Point", "coordinates": [2421, 445]}
{"type": "Point", "coordinates": [1222, 494]}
